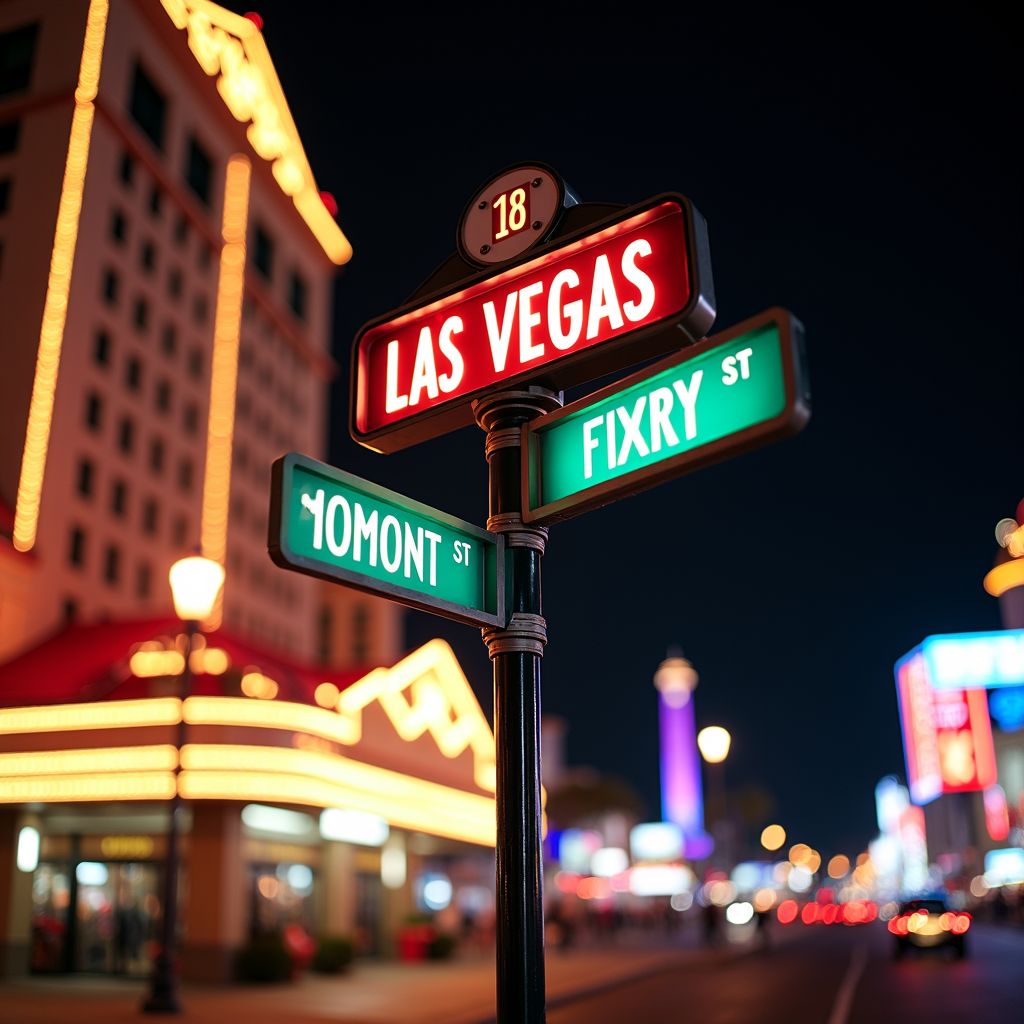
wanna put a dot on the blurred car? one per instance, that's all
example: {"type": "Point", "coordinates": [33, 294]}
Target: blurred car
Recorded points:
{"type": "Point", "coordinates": [930, 924]}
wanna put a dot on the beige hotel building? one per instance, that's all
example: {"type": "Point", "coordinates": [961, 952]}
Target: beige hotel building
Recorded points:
{"type": "Point", "coordinates": [167, 264]}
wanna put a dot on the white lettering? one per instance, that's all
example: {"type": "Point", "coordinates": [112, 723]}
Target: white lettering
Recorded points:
{"type": "Point", "coordinates": [609, 427]}
{"type": "Point", "coordinates": [528, 319]}
{"type": "Point", "coordinates": [730, 376]}
{"type": "Point", "coordinates": [744, 358]}
{"type": "Point", "coordinates": [688, 396]}
{"type": "Point", "coordinates": [632, 437]}
{"type": "Point", "coordinates": [661, 408]}
{"type": "Point", "coordinates": [450, 381]}
{"type": "Point", "coordinates": [573, 310]}
{"type": "Point", "coordinates": [339, 550]}
{"type": "Point", "coordinates": [603, 300]}
{"type": "Point", "coordinates": [316, 506]}
{"type": "Point", "coordinates": [435, 539]}
{"type": "Point", "coordinates": [423, 373]}
{"type": "Point", "coordinates": [391, 523]}
{"type": "Point", "coordinates": [458, 553]}
{"type": "Point", "coordinates": [413, 551]}
{"type": "Point", "coordinates": [634, 275]}
{"type": "Point", "coordinates": [499, 339]}
{"type": "Point", "coordinates": [393, 401]}
{"type": "Point", "coordinates": [589, 444]}
{"type": "Point", "coordinates": [366, 529]}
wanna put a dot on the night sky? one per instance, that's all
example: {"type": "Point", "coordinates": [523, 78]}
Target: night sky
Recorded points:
{"type": "Point", "coordinates": [862, 172]}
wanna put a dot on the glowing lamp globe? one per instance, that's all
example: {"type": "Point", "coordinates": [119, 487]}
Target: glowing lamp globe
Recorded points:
{"type": "Point", "coordinates": [195, 583]}
{"type": "Point", "coordinates": [714, 743]}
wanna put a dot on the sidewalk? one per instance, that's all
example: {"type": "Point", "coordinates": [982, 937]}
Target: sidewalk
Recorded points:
{"type": "Point", "coordinates": [460, 992]}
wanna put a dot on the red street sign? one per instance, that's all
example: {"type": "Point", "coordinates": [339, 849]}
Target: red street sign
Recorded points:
{"type": "Point", "coordinates": [627, 288]}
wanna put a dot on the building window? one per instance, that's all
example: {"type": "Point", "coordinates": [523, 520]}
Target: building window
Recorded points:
{"type": "Point", "coordinates": [140, 315]}
{"type": "Point", "coordinates": [174, 283]}
{"type": "Point", "coordinates": [143, 580]}
{"type": "Point", "coordinates": [118, 227]}
{"type": "Point", "coordinates": [185, 475]}
{"type": "Point", "coordinates": [205, 257]}
{"type": "Point", "coordinates": [148, 107]}
{"type": "Point", "coordinates": [181, 230]}
{"type": "Point", "coordinates": [179, 531]}
{"type": "Point", "coordinates": [101, 351]}
{"type": "Point", "coordinates": [133, 374]}
{"type": "Point", "coordinates": [190, 418]}
{"type": "Point", "coordinates": [169, 341]}
{"type": "Point", "coordinates": [149, 515]}
{"type": "Point", "coordinates": [110, 286]}
{"type": "Point", "coordinates": [199, 170]}
{"type": "Point", "coordinates": [76, 547]}
{"type": "Point", "coordinates": [119, 498]}
{"type": "Point", "coordinates": [297, 296]}
{"type": "Point", "coordinates": [9, 137]}
{"type": "Point", "coordinates": [5, 194]}
{"type": "Point", "coordinates": [94, 411]}
{"type": "Point", "coordinates": [163, 396]}
{"type": "Point", "coordinates": [126, 436]}
{"type": "Point", "coordinates": [86, 475]}
{"type": "Point", "coordinates": [156, 455]}
{"type": "Point", "coordinates": [127, 171]}
{"type": "Point", "coordinates": [17, 49]}
{"type": "Point", "coordinates": [360, 635]}
{"type": "Point", "coordinates": [263, 253]}
{"type": "Point", "coordinates": [156, 200]}
{"type": "Point", "coordinates": [112, 564]}
{"type": "Point", "coordinates": [195, 363]}
{"type": "Point", "coordinates": [147, 257]}
{"type": "Point", "coordinates": [199, 309]}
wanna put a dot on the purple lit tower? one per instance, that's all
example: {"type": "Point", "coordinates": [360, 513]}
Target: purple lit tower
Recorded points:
{"type": "Point", "coordinates": [681, 798]}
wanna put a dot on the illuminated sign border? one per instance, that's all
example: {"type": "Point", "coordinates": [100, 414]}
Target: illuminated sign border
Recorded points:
{"type": "Point", "coordinates": [281, 553]}
{"type": "Point", "coordinates": [790, 421]}
{"type": "Point", "coordinates": [616, 353]}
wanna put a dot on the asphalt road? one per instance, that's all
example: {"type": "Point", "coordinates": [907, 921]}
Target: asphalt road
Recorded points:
{"type": "Point", "coordinates": [826, 976]}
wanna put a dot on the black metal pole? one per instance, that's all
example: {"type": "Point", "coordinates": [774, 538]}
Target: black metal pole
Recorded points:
{"type": "Point", "coordinates": [516, 651]}
{"type": "Point", "coordinates": [163, 991]}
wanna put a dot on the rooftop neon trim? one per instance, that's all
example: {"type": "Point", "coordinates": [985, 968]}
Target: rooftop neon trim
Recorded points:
{"type": "Point", "coordinates": [233, 46]}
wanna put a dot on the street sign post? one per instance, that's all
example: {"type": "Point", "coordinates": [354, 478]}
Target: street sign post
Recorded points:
{"type": "Point", "coordinates": [621, 290]}
{"type": "Point", "coordinates": [328, 523]}
{"type": "Point", "coordinates": [545, 292]}
{"type": "Point", "coordinates": [732, 392]}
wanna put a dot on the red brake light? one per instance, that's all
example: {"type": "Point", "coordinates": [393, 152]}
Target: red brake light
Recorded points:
{"type": "Point", "coordinates": [961, 924]}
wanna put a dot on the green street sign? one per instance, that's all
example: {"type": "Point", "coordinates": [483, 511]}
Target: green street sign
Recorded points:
{"type": "Point", "coordinates": [328, 523]}
{"type": "Point", "coordinates": [727, 394]}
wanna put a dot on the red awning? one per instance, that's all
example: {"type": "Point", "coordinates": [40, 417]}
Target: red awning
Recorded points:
{"type": "Point", "coordinates": [90, 662]}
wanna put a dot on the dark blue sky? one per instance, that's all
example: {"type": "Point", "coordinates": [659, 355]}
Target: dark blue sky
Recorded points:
{"type": "Point", "coordinates": [861, 171]}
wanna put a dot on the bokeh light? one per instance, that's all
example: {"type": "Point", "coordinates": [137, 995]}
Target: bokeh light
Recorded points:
{"type": "Point", "coordinates": [739, 913]}
{"type": "Point", "coordinates": [764, 899]}
{"type": "Point", "coordinates": [787, 911]}
{"type": "Point", "coordinates": [773, 837]}
{"type": "Point", "coordinates": [838, 866]}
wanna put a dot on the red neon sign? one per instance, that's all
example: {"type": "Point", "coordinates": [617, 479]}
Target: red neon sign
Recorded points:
{"type": "Point", "coordinates": [947, 735]}
{"type": "Point", "coordinates": [416, 372]}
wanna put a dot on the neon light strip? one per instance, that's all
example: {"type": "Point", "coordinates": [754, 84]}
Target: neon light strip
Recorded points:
{"type": "Point", "coordinates": [114, 714]}
{"type": "Point", "coordinates": [105, 760]}
{"type": "Point", "coordinates": [224, 372]}
{"type": "Point", "coordinates": [231, 45]}
{"type": "Point", "coordinates": [274, 714]}
{"type": "Point", "coordinates": [114, 786]}
{"type": "Point", "coordinates": [1004, 577]}
{"type": "Point", "coordinates": [51, 332]}
{"type": "Point", "coordinates": [229, 772]}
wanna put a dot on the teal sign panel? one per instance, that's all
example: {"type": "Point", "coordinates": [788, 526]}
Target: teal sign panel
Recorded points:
{"type": "Point", "coordinates": [328, 523]}
{"type": "Point", "coordinates": [727, 394]}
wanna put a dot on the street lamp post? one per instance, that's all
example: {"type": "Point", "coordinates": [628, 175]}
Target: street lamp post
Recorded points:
{"type": "Point", "coordinates": [714, 743]}
{"type": "Point", "coordinates": [195, 583]}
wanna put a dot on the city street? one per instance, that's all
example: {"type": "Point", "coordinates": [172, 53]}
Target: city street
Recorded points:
{"type": "Point", "coordinates": [809, 976]}
{"type": "Point", "coordinates": [800, 982]}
